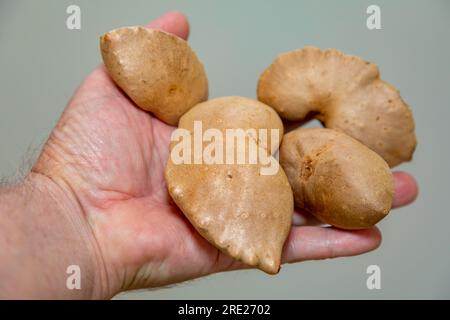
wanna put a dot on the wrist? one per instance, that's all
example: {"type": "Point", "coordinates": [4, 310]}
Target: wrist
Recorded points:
{"type": "Point", "coordinates": [43, 231]}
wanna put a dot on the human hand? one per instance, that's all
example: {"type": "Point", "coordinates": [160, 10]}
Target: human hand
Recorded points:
{"type": "Point", "coordinates": [107, 157]}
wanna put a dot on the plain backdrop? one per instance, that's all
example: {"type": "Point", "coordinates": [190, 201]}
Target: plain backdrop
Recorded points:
{"type": "Point", "coordinates": [42, 62]}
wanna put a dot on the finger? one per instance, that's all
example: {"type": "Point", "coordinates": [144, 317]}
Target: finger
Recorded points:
{"type": "Point", "coordinates": [313, 243]}
{"type": "Point", "coordinates": [405, 189]}
{"type": "Point", "coordinates": [173, 22]}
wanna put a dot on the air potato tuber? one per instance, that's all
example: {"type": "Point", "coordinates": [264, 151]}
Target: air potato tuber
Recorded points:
{"type": "Point", "coordinates": [337, 178]}
{"type": "Point", "coordinates": [157, 70]}
{"type": "Point", "coordinates": [240, 211]}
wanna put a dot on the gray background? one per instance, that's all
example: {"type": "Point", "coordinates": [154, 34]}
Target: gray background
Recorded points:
{"type": "Point", "coordinates": [41, 63]}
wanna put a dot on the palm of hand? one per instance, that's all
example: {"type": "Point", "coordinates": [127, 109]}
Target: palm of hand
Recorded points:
{"type": "Point", "coordinates": [112, 154]}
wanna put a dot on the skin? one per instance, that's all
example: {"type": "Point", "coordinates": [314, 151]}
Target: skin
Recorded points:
{"type": "Point", "coordinates": [97, 198]}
